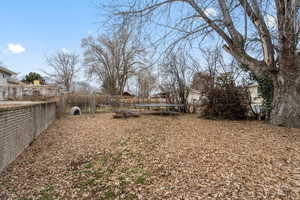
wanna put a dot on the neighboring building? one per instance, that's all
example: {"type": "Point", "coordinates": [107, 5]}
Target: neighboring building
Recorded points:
{"type": "Point", "coordinates": [196, 101]}
{"type": "Point", "coordinates": [256, 99]}
{"type": "Point", "coordinates": [6, 76]}
{"type": "Point", "coordinates": [12, 89]}
{"type": "Point", "coordinates": [9, 86]}
{"type": "Point", "coordinates": [194, 97]}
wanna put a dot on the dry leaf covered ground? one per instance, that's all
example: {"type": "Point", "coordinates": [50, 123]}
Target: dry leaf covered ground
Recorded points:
{"type": "Point", "coordinates": [156, 157]}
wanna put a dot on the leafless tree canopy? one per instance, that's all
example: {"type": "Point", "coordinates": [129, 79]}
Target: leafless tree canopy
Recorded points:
{"type": "Point", "coordinates": [82, 87]}
{"type": "Point", "coordinates": [206, 70]}
{"type": "Point", "coordinates": [262, 35]}
{"type": "Point", "coordinates": [112, 59]}
{"type": "Point", "coordinates": [64, 68]}
{"type": "Point", "coordinates": [213, 63]}
{"type": "Point", "coordinates": [176, 77]}
{"type": "Point", "coordinates": [146, 82]}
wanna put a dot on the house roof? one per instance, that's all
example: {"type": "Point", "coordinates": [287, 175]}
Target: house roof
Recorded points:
{"type": "Point", "coordinates": [7, 71]}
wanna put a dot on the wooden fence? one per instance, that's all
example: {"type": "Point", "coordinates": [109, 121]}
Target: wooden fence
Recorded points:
{"type": "Point", "coordinates": [102, 103]}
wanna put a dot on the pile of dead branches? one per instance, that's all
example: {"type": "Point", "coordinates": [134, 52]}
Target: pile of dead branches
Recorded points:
{"type": "Point", "coordinates": [125, 114]}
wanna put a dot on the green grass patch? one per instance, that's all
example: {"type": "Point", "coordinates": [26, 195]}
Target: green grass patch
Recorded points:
{"type": "Point", "coordinates": [109, 195]}
{"type": "Point", "coordinates": [47, 194]}
{"type": "Point", "coordinates": [106, 175]}
{"type": "Point", "coordinates": [88, 166]}
{"type": "Point", "coordinates": [141, 180]}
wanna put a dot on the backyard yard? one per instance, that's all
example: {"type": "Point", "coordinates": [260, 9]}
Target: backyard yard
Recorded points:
{"type": "Point", "coordinates": [156, 157]}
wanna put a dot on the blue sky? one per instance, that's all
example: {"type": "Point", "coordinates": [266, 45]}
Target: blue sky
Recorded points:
{"type": "Point", "coordinates": [32, 29]}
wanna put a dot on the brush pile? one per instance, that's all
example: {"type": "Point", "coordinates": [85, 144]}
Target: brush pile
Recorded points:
{"type": "Point", "coordinates": [125, 114]}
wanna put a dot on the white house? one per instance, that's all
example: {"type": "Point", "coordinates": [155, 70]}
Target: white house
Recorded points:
{"type": "Point", "coordinates": [196, 100]}
{"type": "Point", "coordinates": [255, 95]}
{"type": "Point", "coordinates": [194, 97]}
{"type": "Point", "coordinates": [5, 76]}
{"type": "Point", "coordinates": [9, 88]}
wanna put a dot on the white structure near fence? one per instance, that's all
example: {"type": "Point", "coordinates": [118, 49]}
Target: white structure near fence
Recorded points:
{"type": "Point", "coordinates": [6, 76]}
{"type": "Point", "coordinates": [194, 97]}
{"type": "Point", "coordinates": [8, 85]}
{"type": "Point", "coordinates": [256, 99]}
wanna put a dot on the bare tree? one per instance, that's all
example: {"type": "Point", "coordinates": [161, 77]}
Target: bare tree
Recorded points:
{"type": "Point", "coordinates": [82, 87]}
{"type": "Point", "coordinates": [271, 26]}
{"type": "Point", "coordinates": [64, 68]}
{"type": "Point", "coordinates": [146, 82]}
{"type": "Point", "coordinates": [206, 70]}
{"type": "Point", "coordinates": [202, 81]}
{"type": "Point", "coordinates": [176, 77]}
{"type": "Point", "coordinates": [212, 65]}
{"type": "Point", "coordinates": [112, 59]}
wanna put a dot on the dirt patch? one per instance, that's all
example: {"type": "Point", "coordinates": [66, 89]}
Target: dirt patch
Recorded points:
{"type": "Point", "coordinates": [153, 157]}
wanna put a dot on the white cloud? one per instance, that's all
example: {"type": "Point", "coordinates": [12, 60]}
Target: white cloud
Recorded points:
{"type": "Point", "coordinates": [210, 12]}
{"type": "Point", "coordinates": [15, 48]}
{"type": "Point", "coordinates": [65, 50]}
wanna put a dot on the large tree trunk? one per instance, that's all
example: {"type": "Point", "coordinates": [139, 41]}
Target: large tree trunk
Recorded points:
{"type": "Point", "coordinates": [286, 100]}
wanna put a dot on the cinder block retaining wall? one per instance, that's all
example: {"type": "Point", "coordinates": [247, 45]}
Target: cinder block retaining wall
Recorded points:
{"type": "Point", "coordinates": [20, 125]}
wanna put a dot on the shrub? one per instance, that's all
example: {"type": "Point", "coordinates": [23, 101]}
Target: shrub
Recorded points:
{"type": "Point", "coordinates": [226, 101]}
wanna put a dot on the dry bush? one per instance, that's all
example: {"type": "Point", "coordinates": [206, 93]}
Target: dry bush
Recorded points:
{"type": "Point", "coordinates": [226, 103]}
{"type": "Point", "coordinates": [125, 114]}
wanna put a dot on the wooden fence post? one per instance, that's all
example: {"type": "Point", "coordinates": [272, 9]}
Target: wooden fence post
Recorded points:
{"type": "Point", "coordinates": [93, 103]}
{"type": "Point", "coordinates": [61, 106]}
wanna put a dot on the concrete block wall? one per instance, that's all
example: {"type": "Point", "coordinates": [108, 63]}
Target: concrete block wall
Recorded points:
{"type": "Point", "coordinates": [20, 125]}
{"type": "Point", "coordinates": [10, 92]}
{"type": "Point", "coordinates": [13, 92]}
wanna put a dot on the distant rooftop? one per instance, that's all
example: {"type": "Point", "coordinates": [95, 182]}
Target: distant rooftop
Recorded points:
{"type": "Point", "coordinates": [7, 71]}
